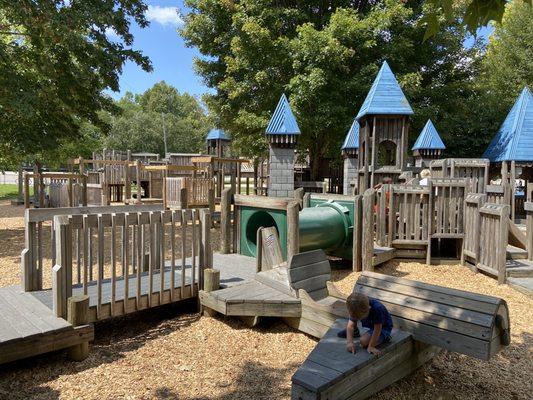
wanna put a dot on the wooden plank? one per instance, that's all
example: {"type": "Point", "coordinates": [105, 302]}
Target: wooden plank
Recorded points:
{"type": "Point", "coordinates": [304, 272]}
{"type": "Point", "coordinates": [270, 203]}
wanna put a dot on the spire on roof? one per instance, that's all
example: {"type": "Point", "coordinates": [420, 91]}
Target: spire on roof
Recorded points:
{"type": "Point", "coordinates": [352, 137]}
{"type": "Point", "coordinates": [283, 121]}
{"type": "Point", "coordinates": [429, 139]}
{"type": "Point", "coordinates": [385, 96]}
{"type": "Point", "coordinates": [514, 139]}
{"type": "Point", "coordinates": [219, 134]}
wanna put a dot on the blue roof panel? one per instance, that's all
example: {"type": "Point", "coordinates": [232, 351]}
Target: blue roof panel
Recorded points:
{"type": "Point", "coordinates": [514, 139]}
{"type": "Point", "coordinates": [429, 139]}
{"type": "Point", "coordinates": [385, 96]}
{"type": "Point", "coordinates": [215, 134]}
{"type": "Point", "coordinates": [352, 138]}
{"type": "Point", "coordinates": [283, 121]}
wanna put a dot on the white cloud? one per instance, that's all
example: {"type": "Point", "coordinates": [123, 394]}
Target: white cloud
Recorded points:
{"type": "Point", "coordinates": [164, 15]}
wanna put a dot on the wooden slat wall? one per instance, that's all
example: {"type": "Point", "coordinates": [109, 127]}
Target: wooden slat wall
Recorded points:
{"type": "Point", "coordinates": [493, 238]}
{"type": "Point", "coordinates": [473, 203]}
{"type": "Point", "coordinates": [133, 248]}
{"type": "Point", "coordinates": [198, 191]}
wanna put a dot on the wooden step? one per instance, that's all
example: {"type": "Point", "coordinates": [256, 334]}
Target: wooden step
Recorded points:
{"type": "Point", "coordinates": [516, 253]}
{"type": "Point", "coordinates": [519, 268]}
{"type": "Point", "coordinates": [523, 285]}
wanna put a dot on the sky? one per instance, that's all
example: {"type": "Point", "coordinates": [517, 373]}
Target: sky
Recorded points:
{"type": "Point", "coordinates": [172, 61]}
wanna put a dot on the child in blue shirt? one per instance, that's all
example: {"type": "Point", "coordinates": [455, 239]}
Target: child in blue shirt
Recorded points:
{"type": "Point", "coordinates": [374, 316]}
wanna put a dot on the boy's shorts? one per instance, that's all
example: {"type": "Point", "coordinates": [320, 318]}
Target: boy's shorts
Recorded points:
{"type": "Point", "coordinates": [384, 336]}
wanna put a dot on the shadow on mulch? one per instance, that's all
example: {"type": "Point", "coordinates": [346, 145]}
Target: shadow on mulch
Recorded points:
{"type": "Point", "coordinates": [12, 242]}
{"type": "Point", "coordinates": [246, 384]}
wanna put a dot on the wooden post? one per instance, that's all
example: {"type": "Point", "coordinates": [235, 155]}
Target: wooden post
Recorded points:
{"type": "Point", "coordinates": [127, 180]}
{"type": "Point", "coordinates": [183, 197]}
{"type": "Point", "coordinates": [293, 230]}
{"type": "Point", "coordinates": [206, 253]}
{"type": "Point", "coordinates": [238, 166]}
{"type": "Point", "coordinates": [20, 185]}
{"type": "Point", "coordinates": [211, 283]}
{"type": "Point", "coordinates": [78, 314]}
{"type": "Point", "coordinates": [63, 272]}
{"type": "Point", "coordinates": [528, 207]}
{"type": "Point", "coordinates": [367, 231]}
{"type": "Point", "coordinates": [70, 192]}
{"type": "Point", "coordinates": [225, 220]}
{"type": "Point", "coordinates": [502, 250]}
{"type": "Point", "coordinates": [299, 196]}
{"type": "Point", "coordinates": [138, 173]}
{"type": "Point", "coordinates": [306, 201]}
{"type": "Point", "coordinates": [259, 249]}
{"type": "Point", "coordinates": [164, 189]}
{"type": "Point", "coordinates": [357, 231]}
{"type": "Point", "coordinates": [26, 190]}
{"type": "Point", "coordinates": [211, 201]}
{"type": "Point", "coordinates": [84, 190]}
{"type": "Point", "coordinates": [374, 155]}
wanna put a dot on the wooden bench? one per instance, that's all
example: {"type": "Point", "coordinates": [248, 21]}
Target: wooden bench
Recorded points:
{"type": "Point", "coordinates": [468, 323]}
{"type": "Point", "coordinates": [330, 372]}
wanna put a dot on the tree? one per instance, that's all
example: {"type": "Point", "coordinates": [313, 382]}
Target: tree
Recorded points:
{"type": "Point", "coordinates": [325, 57]}
{"type": "Point", "coordinates": [473, 14]}
{"type": "Point", "coordinates": [139, 127]}
{"type": "Point", "coordinates": [55, 61]}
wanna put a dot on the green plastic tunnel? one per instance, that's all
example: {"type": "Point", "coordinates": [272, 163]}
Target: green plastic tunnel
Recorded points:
{"type": "Point", "coordinates": [326, 226]}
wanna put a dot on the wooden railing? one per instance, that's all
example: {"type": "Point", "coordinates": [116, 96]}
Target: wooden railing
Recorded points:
{"type": "Point", "coordinates": [446, 199]}
{"type": "Point", "coordinates": [493, 237]}
{"type": "Point", "coordinates": [34, 257]}
{"type": "Point", "coordinates": [472, 221]}
{"type": "Point", "coordinates": [129, 261]}
{"type": "Point", "coordinates": [189, 192]}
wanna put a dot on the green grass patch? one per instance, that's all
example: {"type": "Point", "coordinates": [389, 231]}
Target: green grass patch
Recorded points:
{"type": "Point", "coordinates": [8, 191]}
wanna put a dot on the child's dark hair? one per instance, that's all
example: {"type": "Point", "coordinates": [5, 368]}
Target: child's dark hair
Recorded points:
{"type": "Point", "coordinates": [358, 305]}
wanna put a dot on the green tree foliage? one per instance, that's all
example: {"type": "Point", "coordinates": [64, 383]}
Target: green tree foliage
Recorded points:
{"type": "Point", "coordinates": [139, 127]}
{"type": "Point", "coordinates": [324, 55]}
{"type": "Point", "coordinates": [474, 14]}
{"type": "Point", "coordinates": [55, 61]}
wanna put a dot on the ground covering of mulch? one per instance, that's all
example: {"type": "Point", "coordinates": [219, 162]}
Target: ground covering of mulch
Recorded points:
{"type": "Point", "coordinates": [175, 353]}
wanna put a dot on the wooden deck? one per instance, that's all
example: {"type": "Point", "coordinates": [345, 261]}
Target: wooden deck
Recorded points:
{"type": "Point", "coordinates": [235, 269]}
{"type": "Point", "coordinates": [28, 327]}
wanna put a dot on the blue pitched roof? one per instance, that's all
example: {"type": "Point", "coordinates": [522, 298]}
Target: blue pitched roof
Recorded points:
{"type": "Point", "coordinates": [429, 139]}
{"type": "Point", "coordinates": [283, 121]}
{"type": "Point", "coordinates": [514, 139]}
{"type": "Point", "coordinates": [385, 96]}
{"type": "Point", "coordinates": [352, 138]}
{"type": "Point", "coordinates": [215, 134]}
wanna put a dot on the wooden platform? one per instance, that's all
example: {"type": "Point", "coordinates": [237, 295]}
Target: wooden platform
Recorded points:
{"type": "Point", "coordinates": [330, 372]}
{"type": "Point", "coordinates": [252, 298]}
{"type": "Point", "coordinates": [519, 268]}
{"type": "Point", "coordinates": [382, 255]}
{"type": "Point", "coordinates": [523, 285]}
{"type": "Point", "coordinates": [28, 327]}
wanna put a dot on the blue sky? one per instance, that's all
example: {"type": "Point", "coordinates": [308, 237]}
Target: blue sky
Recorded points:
{"type": "Point", "coordinates": [171, 59]}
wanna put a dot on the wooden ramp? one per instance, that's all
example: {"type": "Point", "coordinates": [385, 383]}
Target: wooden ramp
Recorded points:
{"type": "Point", "coordinates": [251, 299]}
{"type": "Point", "coordinates": [330, 372]}
{"type": "Point", "coordinates": [29, 328]}
{"type": "Point", "coordinates": [382, 255]}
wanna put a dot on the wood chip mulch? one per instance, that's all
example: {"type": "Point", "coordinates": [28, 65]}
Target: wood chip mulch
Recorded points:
{"type": "Point", "coordinates": [176, 354]}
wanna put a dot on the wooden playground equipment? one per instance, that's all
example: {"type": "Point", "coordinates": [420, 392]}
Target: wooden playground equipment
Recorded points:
{"type": "Point", "coordinates": [292, 281]}
{"type": "Point", "coordinates": [104, 262]}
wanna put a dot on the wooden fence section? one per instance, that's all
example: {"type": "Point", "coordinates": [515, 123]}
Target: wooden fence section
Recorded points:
{"type": "Point", "coordinates": [498, 194]}
{"type": "Point", "coordinates": [402, 215]}
{"type": "Point", "coordinates": [493, 236]}
{"type": "Point", "coordinates": [129, 261]}
{"type": "Point", "coordinates": [38, 221]}
{"type": "Point", "coordinates": [55, 189]}
{"type": "Point", "coordinates": [189, 192]}
{"type": "Point", "coordinates": [472, 222]}
{"type": "Point", "coordinates": [476, 170]}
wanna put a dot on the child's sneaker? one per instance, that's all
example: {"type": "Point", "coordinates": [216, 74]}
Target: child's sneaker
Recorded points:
{"type": "Point", "coordinates": [342, 333]}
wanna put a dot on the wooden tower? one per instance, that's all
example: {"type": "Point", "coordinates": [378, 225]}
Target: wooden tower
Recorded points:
{"type": "Point", "coordinates": [217, 142]}
{"type": "Point", "coordinates": [383, 132]}
{"type": "Point", "coordinates": [428, 146]}
{"type": "Point", "coordinates": [282, 134]}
